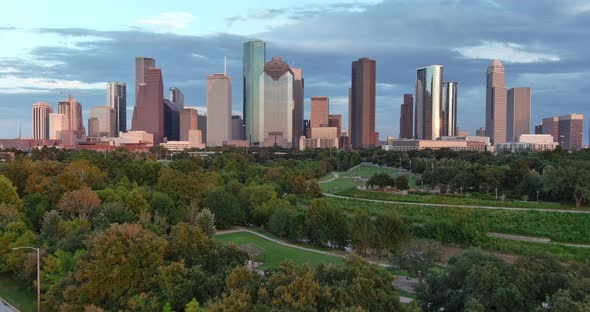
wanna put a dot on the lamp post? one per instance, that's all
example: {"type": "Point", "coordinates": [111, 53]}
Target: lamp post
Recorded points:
{"type": "Point", "coordinates": [461, 190]}
{"type": "Point", "coordinates": [537, 197]}
{"type": "Point", "coordinates": [496, 193]}
{"type": "Point", "coordinates": [38, 273]}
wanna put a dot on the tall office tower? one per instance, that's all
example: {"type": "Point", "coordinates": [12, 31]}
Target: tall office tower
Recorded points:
{"type": "Point", "coordinates": [56, 125]}
{"type": "Point", "coordinates": [171, 121]}
{"type": "Point", "coordinates": [571, 131]}
{"type": "Point", "coordinates": [72, 111]}
{"type": "Point", "coordinates": [41, 111]}
{"type": "Point", "coordinates": [449, 109]}
{"type": "Point", "coordinates": [117, 100]}
{"type": "Point", "coordinates": [480, 132]}
{"type": "Point", "coordinates": [148, 113]}
{"type": "Point", "coordinates": [102, 122]}
{"type": "Point", "coordinates": [276, 104]}
{"type": "Point", "coordinates": [298, 96]}
{"type": "Point", "coordinates": [237, 127]}
{"type": "Point", "coordinates": [336, 121]}
{"type": "Point", "coordinates": [539, 128]}
{"type": "Point", "coordinates": [177, 97]}
{"type": "Point", "coordinates": [406, 119]}
{"type": "Point", "coordinates": [253, 66]}
{"type": "Point", "coordinates": [349, 119]}
{"type": "Point", "coordinates": [202, 125]}
{"type": "Point", "coordinates": [307, 128]}
{"type": "Point", "coordinates": [518, 113]}
{"type": "Point", "coordinates": [551, 126]}
{"type": "Point", "coordinates": [496, 106]}
{"type": "Point", "coordinates": [320, 109]}
{"type": "Point", "coordinates": [362, 103]}
{"type": "Point", "coordinates": [218, 109]}
{"type": "Point", "coordinates": [188, 121]}
{"type": "Point", "coordinates": [428, 109]}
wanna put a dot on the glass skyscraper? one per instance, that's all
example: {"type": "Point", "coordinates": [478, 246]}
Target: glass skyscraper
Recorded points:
{"type": "Point", "coordinates": [254, 60]}
{"type": "Point", "coordinates": [117, 100]}
{"type": "Point", "coordinates": [449, 109]}
{"type": "Point", "coordinates": [428, 114]}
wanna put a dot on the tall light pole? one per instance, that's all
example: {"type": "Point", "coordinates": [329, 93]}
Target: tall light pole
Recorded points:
{"type": "Point", "coordinates": [537, 197]}
{"type": "Point", "coordinates": [496, 193]}
{"type": "Point", "coordinates": [38, 273]}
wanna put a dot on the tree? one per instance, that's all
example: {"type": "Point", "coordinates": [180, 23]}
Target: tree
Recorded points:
{"type": "Point", "coordinates": [314, 190]}
{"type": "Point", "coordinates": [278, 222]}
{"type": "Point", "coordinates": [192, 306]}
{"type": "Point", "coordinates": [569, 181]}
{"type": "Point", "coordinates": [402, 182]}
{"type": "Point", "coordinates": [381, 180]}
{"type": "Point", "coordinates": [363, 232]}
{"type": "Point", "coordinates": [327, 225]}
{"type": "Point", "coordinates": [390, 232]}
{"type": "Point", "coordinates": [418, 257]}
{"type": "Point", "coordinates": [8, 193]}
{"type": "Point", "coordinates": [225, 206]}
{"type": "Point", "coordinates": [165, 207]}
{"type": "Point", "coordinates": [79, 203]}
{"type": "Point", "coordinates": [206, 222]}
{"type": "Point", "coordinates": [79, 174]}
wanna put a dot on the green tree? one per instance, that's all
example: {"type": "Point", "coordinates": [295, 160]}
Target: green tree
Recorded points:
{"type": "Point", "coordinates": [363, 231]}
{"type": "Point", "coordinates": [327, 225]}
{"type": "Point", "coordinates": [569, 181]}
{"type": "Point", "coordinates": [278, 222]}
{"type": "Point", "coordinates": [418, 257]}
{"type": "Point", "coordinates": [402, 182]}
{"type": "Point", "coordinates": [206, 222]}
{"type": "Point", "coordinates": [314, 190]}
{"type": "Point", "coordinates": [390, 232]}
{"type": "Point", "coordinates": [225, 206]}
{"type": "Point", "coordinates": [381, 180]}
{"type": "Point", "coordinates": [8, 193]}
{"type": "Point", "coordinates": [192, 306]}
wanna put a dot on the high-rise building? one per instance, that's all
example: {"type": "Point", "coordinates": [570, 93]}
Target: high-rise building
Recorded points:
{"type": "Point", "coordinates": [237, 127]}
{"type": "Point", "coordinates": [41, 111]}
{"type": "Point", "coordinates": [102, 122]}
{"type": "Point", "coordinates": [481, 132]}
{"type": "Point", "coordinates": [276, 104]}
{"type": "Point", "coordinates": [117, 100]}
{"type": "Point", "coordinates": [177, 97]}
{"type": "Point", "coordinates": [57, 124]}
{"type": "Point", "coordinates": [518, 113]}
{"type": "Point", "coordinates": [320, 109]}
{"type": "Point", "coordinates": [449, 109]}
{"type": "Point", "coordinates": [571, 131]}
{"type": "Point", "coordinates": [427, 111]}
{"type": "Point", "coordinates": [202, 125]}
{"type": "Point", "coordinates": [496, 106]}
{"type": "Point", "coordinates": [218, 109]}
{"type": "Point", "coordinates": [148, 113]}
{"type": "Point", "coordinates": [188, 121]}
{"type": "Point", "coordinates": [335, 121]}
{"type": "Point", "coordinates": [298, 95]}
{"type": "Point", "coordinates": [406, 119]}
{"type": "Point", "coordinates": [307, 127]}
{"type": "Point", "coordinates": [362, 103]}
{"type": "Point", "coordinates": [171, 121]}
{"type": "Point", "coordinates": [72, 111]}
{"type": "Point", "coordinates": [539, 128]}
{"type": "Point", "coordinates": [551, 126]}
{"type": "Point", "coordinates": [254, 60]}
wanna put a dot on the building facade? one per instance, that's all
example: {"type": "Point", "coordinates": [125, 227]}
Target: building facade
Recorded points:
{"type": "Point", "coordinates": [117, 100]}
{"type": "Point", "coordinates": [551, 126]}
{"type": "Point", "coordinates": [276, 104]}
{"type": "Point", "coordinates": [72, 111]}
{"type": "Point", "coordinates": [219, 110]}
{"type": "Point", "coordinates": [518, 113]}
{"type": "Point", "coordinates": [320, 111]}
{"type": "Point", "coordinates": [102, 122]}
{"type": "Point", "coordinates": [449, 109]}
{"type": "Point", "coordinates": [428, 103]}
{"type": "Point", "coordinates": [406, 119]}
{"type": "Point", "coordinates": [571, 131]}
{"type": "Point", "coordinates": [148, 113]}
{"type": "Point", "coordinates": [253, 66]}
{"type": "Point", "coordinates": [298, 96]}
{"type": "Point", "coordinates": [171, 121]}
{"type": "Point", "coordinates": [41, 112]}
{"type": "Point", "coordinates": [202, 125]}
{"type": "Point", "coordinates": [237, 128]}
{"type": "Point", "coordinates": [335, 120]}
{"type": "Point", "coordinates": [177, 97]}
{"type": "Point", "coordinates": [496, 106]}
{"type": "Point", "coordinates": [362, 103]}
{"type": "Point", "coordinates": [188, 121]}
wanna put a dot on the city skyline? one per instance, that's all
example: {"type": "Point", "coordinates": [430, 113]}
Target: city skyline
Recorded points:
{"type": "Point", "coordinates": [526, 63]}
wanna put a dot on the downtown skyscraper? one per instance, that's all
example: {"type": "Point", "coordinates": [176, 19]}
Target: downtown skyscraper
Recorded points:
{"type": "Point", "coordinates": [406, 119]}
{"type": "Point", "coordinates": [148, 113]}
{"type": "Point", "coordinates": [518, 115]}
{"type": "Point", "coordinates": [496, 106]}
{"type": "Point", "coordinates": [449, 109]}
{"type": "Point", "coordinates": [253, 66]}
{"type": "Point", "coordinates": [41, 111]}
{"type": "Point", "coordinates": [362, 104]}
{"type": "Point", "coordinates": [428, 121]}
{"type": "Point", "coordinates": [219, 109]}
{"type": "Point", "coordinates": [298, 95]}
{"type": "Point", "coordinates": [117, 100]}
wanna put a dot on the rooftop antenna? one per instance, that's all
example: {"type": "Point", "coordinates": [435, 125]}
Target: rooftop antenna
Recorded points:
{"type": "Point", "coordinates": [225, 65]}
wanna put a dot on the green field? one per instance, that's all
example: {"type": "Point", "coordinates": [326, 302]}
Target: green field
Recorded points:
{"type": "Point", "coordinates": [559, 227]}
{"type": "Point", "coordinates": [17, 294]}
{"type": "Point", "coordinates": [271, 254]}
{"type": "Point", "coordinates": [358, 176]}
{"type": "Point", "coordinates": [444, 199]}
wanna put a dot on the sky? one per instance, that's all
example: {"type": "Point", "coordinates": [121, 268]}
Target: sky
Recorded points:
{"type": "Point", "coordinates": [54, 48]}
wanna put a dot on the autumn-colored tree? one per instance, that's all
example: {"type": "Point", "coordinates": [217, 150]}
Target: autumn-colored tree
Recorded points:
{"type": "Point", "coordinates": [79, 203]}
{"type": "Point", "coordinates": [187, 242]}
{"type": "Point", "coordinates": [8, 193]}
{"type": "Point", "coordinates": [79, 174]}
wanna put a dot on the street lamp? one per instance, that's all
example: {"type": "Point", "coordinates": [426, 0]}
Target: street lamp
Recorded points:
{"type": "Point", "coordinates": [38, 273]}
{"type": "Point", "coordinates": [537, 197]}
{"type": "Point", "coordinates": [461, 190]}
{"type": "Point", "coordinates": [496, 193]}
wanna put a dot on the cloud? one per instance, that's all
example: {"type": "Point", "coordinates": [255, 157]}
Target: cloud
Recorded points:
{"type": "Point", "coordinates": [508, 52]}
{"type": "Point", "coordinates": [173, 20]}
{"type": "Point", "coordinates": [11, 84]}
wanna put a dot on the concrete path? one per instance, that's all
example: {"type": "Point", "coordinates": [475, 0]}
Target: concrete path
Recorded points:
{"type": "Point", "coordinates": [6, 307]}
{"type": "Point", "coordinates": [459, 206]}
{"type": "Point", "coordinates": [540, 240]}
{"type": "Point", "coordinates": [407, 283]}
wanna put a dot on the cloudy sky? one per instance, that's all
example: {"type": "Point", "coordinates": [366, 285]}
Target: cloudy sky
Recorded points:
{"type": "Point", "coordinates": [52, 48]}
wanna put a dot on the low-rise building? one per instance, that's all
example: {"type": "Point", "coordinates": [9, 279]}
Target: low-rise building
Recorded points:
{"type": "Point", "coordinates": [472, 144]}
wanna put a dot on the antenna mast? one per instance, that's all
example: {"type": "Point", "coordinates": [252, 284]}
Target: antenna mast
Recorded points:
{"type": "Point", "coordinates": [225, 65]}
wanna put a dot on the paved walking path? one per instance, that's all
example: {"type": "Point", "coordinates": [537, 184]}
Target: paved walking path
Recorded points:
{"type": "Point", "coordinates": [458, 206]}
{"type": "Point", "coordinates": [6, 307]}
{"type": "Point", "coordinates": [406, 284]}
{"type": "Point", "coordinates": [540, 240]}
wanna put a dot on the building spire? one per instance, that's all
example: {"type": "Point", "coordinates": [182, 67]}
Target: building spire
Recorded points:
{"type": "Point", "coordinates": [225, 65]}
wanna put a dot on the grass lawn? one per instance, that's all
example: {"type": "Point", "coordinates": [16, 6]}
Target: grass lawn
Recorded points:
{"type": "Point", "coordinates": [17, 294]}
{"type": "Point", "coordinates": [444, 199]}
{"type": "Point", "coordinates": [358, 176]}
{"type": "Point", "coordinates": [271, 254]}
